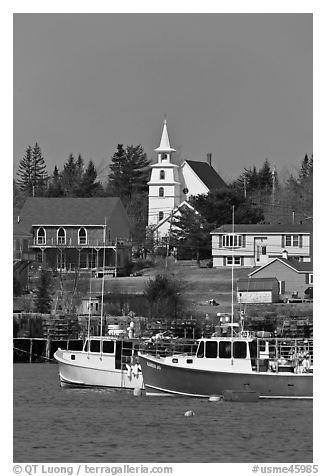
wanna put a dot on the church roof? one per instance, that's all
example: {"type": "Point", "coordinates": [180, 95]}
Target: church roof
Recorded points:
{"type": "Point", "coordinates": [207, 174]}
{"type": "Point", "coordinates": [165, 142]}
{"type": "Point", "coordinates": [67, 211]}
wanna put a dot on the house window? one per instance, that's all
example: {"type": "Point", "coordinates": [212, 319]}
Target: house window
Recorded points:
{"type": "Point", "coordinates": [61, 236]}
{"type": "Point", "coordinates": [162, 175]}
{"type": "Point", "coordinates": [311, 278]}
{"type": "Point", "coordinates": [236, 260]}
{"type": "Point", "coordinates": [291, 240]}
{"type": "Point", "coordinates": [232, 241]}
{"type": "Point", "coordinates": [160, 216]}
{"type": "Point", "coordinates": [82, 236]}
{"type": "Point", "coordinates": [161, 192]}
{"type": "Point", "coordinates": [41, 238]}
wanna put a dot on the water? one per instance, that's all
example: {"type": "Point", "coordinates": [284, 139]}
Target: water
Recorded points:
{"type": "Point", "coordinates": [52, 424]}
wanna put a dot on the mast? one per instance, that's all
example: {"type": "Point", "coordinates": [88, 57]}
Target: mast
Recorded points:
{"type": "Point", "coordinates": [102, 292]}
{"type": "Point", "coordinates": [232, 271]}
{"type": "Point", "coordinates": [89, 310]}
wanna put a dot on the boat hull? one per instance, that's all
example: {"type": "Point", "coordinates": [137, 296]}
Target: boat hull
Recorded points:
{"type": "Point", "coordinates": [94, 371]}
{"type": "Point", "coordinates": [161, 378]}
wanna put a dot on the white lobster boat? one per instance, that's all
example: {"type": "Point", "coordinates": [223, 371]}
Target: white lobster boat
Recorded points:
{"type": "Point", "coordinates": [104, 362]}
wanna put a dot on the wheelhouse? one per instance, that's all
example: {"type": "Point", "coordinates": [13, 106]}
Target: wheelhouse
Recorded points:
{"type": "Point", "coordinates": [123, 351]}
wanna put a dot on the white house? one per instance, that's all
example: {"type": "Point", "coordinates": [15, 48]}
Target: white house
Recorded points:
{"type": "Point", "coordinates": [250, 245]}
{"type": "Point", "coordinates": [171, 185]}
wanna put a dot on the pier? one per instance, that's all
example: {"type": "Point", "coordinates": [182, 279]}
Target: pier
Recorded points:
{"type": "Point", "coordinates": [37, 350]}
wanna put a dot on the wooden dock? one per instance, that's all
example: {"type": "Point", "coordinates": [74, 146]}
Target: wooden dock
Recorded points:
{"type": "Point", "coordinates": [37, 350]}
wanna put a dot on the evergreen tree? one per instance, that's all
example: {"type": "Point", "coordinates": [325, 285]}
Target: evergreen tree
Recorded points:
{"type": "Point", "coordinates": [88, 185]}
{"type": "Point", "coordinates": [129, 172]}
{"type": "Point", "coordinates": [25, 173]}
{"type": "Point", "coordinates": [190, 231]}
{"type": "Point", "coordinates": [55, 188]}
{"type": "Point", "coordinates": [42, 302]}
{"type": "Point", "coordinates": [69, 177]}
{"type": "Point", "coordinates": [18, 196]}
{"type": "Point", "coordinates": [79, 169]}
{"type": "Point", "coordinates": [32, 172]}
{"type": "Point", "coordinates": [265, 177]}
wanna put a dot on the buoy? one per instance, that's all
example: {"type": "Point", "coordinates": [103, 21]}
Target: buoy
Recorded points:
{"type": "Point", "coordinates": [190, 413]}
{"type": "Point", "coordinates": [137, 392]}
{"type": "Point", "coordinates": [215, 398]}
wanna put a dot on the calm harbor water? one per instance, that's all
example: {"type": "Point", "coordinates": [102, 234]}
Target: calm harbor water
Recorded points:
{"type": "Point", "coordinates": [102, 426]}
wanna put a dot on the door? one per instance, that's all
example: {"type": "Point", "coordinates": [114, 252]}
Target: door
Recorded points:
{"type": "Point", "coordinates": [261, 256]}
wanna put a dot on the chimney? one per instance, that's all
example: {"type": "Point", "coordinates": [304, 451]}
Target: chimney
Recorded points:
{"type": "Point", "coordinates": [209, 158]}
{"type": "Point", "coordinates": [285, 254]}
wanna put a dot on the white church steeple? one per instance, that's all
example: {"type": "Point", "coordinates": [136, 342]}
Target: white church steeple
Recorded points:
{"type": "Point", "coordinates": [164, 150]}
{"type": "Point", "coordinates": [164, 186]}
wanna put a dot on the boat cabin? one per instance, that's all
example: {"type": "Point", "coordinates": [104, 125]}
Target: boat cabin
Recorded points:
{"type": "Point", "coordinates": [254, 354]}
{"type": "Point", "coordinates": [124, 351]}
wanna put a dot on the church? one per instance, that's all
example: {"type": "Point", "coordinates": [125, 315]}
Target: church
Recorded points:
{"type": "Point", "coordinates": [171, 185]}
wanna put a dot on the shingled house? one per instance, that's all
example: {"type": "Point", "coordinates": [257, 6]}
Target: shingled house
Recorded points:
{"type": "Point", "coordinates": [70, 233]}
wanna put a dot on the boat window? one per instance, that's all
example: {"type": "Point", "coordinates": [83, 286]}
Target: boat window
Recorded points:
{"type": "Point", "coordinates": [108, 347]}
{"type": "Point", "coordinates": [200, 350]}
{"type": "Point", "coordinates": [240, 350]}
{"type": "Point", "coordinates": [253, 349]}
{"type": "Point", "coordinates": [127, 349]}
{"type": "Point", "coordinates": [262, 345]}
{"type": "Point", "coordinates": [225, 350]}
{"type": "Point", "coordinates": [211, 350]}
{"type": "Point", "coordinates": [95, 346]}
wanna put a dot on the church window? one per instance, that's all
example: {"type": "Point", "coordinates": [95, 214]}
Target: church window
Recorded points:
{"type": "Point", "coordinates": [161, 192]}
{"type": "Point", "coordinates": [160, 216]}
{"type": "Point", "coordinates": [162, 175]}
{"type": "Point", "coordinates": [82, 237]}
{"type": "Point", "coordinates": [61, 237]}
{"type": "Point", "coordinates": [164, 156]}
{"type": "Point", "coordinates": [41, 236]}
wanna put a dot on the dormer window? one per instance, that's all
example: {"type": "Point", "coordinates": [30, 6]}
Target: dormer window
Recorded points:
{"type": "Point", "coordinates": [232, 241]}
{"type": "Point", "coordinates": [161, 192]}
{"type": "Point", "coordinates": [162, 174]}
{"type": "Point", "coordinates": [41, 239]}
{"type": "Point", "coordinates": [82, 236]}
{"type": "Point", "coordinates": [61, 236]}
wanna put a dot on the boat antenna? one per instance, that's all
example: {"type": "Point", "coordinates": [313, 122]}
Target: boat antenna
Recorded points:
{"type": "Point", "coordinates": [102, 292]}
{"type": "Point", "coordinates": [232, 272]}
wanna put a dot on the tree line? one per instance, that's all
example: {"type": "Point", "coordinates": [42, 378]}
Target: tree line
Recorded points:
{"type": "Point", "coordinates": [256, 194]}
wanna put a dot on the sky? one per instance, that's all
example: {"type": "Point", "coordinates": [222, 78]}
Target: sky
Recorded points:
{"type": "Point", "coordinates": [239, 86]}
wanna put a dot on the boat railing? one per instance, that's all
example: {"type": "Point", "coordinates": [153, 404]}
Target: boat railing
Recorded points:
{"type": "Point", "coordinates": [164, 348]}
{"type": "Point", "coordinates": [284, 355]}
